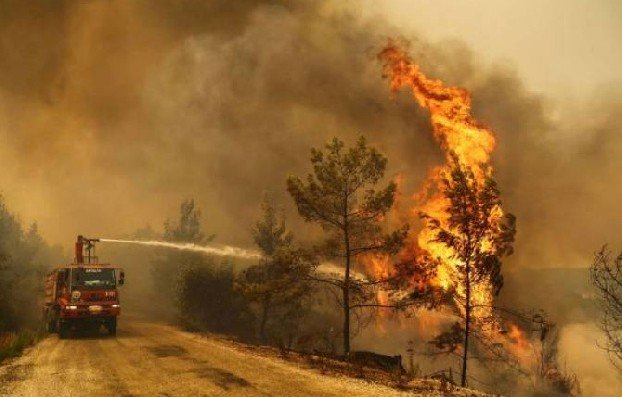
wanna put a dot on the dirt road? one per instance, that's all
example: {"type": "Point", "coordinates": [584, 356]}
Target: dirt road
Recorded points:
{"type": "Point", "coordinates": [147, 359]}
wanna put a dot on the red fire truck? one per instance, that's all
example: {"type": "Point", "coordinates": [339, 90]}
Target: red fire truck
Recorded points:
{"type": "Point", "coordinates": [83, 294]}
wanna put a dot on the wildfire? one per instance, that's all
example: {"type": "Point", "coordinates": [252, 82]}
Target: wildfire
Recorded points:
{"type": "Point", "coordinates": [520, 345]}
{"type": "Point", "coordinates": [450, 108]}
{"type": "Point", "coordinates": [459, 134]}
{"type": "Point", "coordinates": [464, 139]}
{"type": "Point", "coordinates": [378, 266]}
{"type": "Point", "coordinates": [518, 337]}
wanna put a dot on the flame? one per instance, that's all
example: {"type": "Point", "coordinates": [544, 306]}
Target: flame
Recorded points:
{"type": "Point", "coordinates": [464, 138]}
{"type": "Point", "coordinates": [520, 346]}
{"type": "Point", "coordinates": [379, 266]}
{"type": "Point", "coordinates": [518, 338]}
{"type": "Point", "coordinates": [450, 108]}
{"type": "Point", "coordinates": [459, 134]}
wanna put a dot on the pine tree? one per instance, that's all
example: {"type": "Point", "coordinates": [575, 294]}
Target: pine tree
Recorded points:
{"type": "Point", "coordinates": [478, 237]}
{"type": "Point", "coordinates": [278, 284]}
{"type": "Point", "coordinates": [340, 196]}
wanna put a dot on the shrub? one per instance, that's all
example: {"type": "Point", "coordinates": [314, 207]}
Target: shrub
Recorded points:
{"type": "Point", "coordinates": [12, 344]}
{"type": "Point", "coordinates": [207, 301]}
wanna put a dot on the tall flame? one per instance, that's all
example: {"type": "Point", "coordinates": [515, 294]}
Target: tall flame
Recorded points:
{"type": "Point", "coordinates": [459, 134]}
{"type": "Point", "coordinates": [465, 139]}
{"type": "Point", "coordinates": [450, 108]}
{"type": "Point", "coordinates": [378, 266]}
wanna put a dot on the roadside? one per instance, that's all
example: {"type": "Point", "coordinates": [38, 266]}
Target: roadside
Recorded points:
{"type": "Point", "coordinates": [148, 359]}
{"type": "Point", "coordinates": [12, 344]}
{"type": "Point", "coordinates": [338, 368]}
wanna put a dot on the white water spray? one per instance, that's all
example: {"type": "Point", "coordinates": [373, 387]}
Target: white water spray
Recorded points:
{"type": "Point", "coordinates": [225, 250]}
{"type": "Point", "coordinates": [328, 268]}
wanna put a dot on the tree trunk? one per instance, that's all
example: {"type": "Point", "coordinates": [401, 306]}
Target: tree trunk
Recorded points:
{"type": "Point", "coordinates": [346, 287]}
{"type": "Point", "coordinates": [467, 326]}
{"type": "Point", "coordinates": [346, 306]}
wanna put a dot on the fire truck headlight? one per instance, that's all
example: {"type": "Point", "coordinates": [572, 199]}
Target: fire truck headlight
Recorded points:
{"type": "Point", "coordinates": [71, 307]}
{"type": "Point", "coordinates": [116, 306]}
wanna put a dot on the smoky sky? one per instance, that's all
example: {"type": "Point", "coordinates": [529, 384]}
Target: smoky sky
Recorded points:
{"type": "Point", "coordinates": [112, 112]}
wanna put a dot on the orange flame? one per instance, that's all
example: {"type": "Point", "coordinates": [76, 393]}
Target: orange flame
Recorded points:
{"type": "Point", "coordinates": [459, 134]}
{"type": "Point", "coordinates": [450, 108]}
{"type": "Point", "coordinates": [517, 336]}
{"type": "Point", "coordinates": [520, 346]}
{"type": "Point", "coordinates": [379, 266]}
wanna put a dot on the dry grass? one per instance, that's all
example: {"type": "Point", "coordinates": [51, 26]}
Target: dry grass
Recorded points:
{"type": "Point", "coordinates": [12, 344]}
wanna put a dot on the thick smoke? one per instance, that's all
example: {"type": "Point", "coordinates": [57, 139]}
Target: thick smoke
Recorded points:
{"type": "Point", "coordinates": [113, 111]}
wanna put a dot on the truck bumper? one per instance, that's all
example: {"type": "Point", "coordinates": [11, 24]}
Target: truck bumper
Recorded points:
{"type": "Point", "coordinates": [87, 321]}
{"type": "Point", "coordinates": [90, 313]}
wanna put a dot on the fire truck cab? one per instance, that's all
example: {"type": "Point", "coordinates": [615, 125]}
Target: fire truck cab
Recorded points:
{"type": "Point", "coordinates": [83, 294]}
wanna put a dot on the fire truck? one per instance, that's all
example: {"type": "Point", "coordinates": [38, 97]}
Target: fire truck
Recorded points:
{"type": "Point", "coordinates": [83, 294]}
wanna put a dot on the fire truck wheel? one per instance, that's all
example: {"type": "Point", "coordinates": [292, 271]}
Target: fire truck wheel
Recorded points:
{"type": "Point", "coordinates": [111, 325]}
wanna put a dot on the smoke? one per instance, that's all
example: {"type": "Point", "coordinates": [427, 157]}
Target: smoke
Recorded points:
{"type": "Point", "coordinates": [108, 104]}
{"type": "Point", "coordinates": [582, 355]}
{"type": "Point", "coordinates": [162, 108]}
{"type": "Point", "coordinates": [112, 112]}
{"type": "Point", "coordinates": [218, 251]}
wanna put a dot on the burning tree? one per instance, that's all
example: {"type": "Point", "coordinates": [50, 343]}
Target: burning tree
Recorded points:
{"type": "Point", "coordinates": [606, 273]}
{"type": "Point", "coordinates": [340, 196]}
{"type": "Point", "coordinates": [477, 237]}
{"type": "Point", "coordinates": [466, 232]}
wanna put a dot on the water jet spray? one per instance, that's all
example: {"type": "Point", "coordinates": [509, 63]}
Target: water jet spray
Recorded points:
{"type": "Point", "coordinates": [224, 250]}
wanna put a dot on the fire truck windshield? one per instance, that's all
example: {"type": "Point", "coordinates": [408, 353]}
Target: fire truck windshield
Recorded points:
{"type": "Point", "coordinates": [93, 278]}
